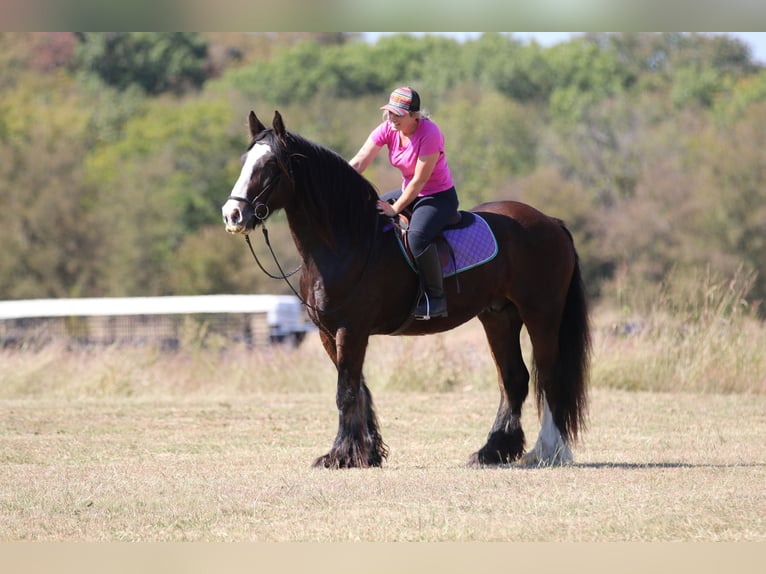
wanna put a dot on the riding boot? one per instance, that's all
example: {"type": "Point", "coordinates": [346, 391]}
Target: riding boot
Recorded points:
{"type": "Point", "coordinates": [433, 303]}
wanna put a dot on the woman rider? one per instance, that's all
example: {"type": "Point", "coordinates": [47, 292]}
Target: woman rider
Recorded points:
{"type": "Point", "coordinates": [416, 148]}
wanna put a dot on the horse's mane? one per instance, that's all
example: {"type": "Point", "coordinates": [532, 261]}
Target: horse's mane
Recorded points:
{"type": "Point", "coordinates": [334, 194]}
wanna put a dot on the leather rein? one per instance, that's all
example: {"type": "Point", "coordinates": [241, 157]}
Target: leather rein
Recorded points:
{"type": "Point", "coordinates": [261, 212]}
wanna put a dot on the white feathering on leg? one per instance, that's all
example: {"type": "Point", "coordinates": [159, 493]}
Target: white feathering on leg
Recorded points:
{"type": "Point", "coordinates": [550, 448]}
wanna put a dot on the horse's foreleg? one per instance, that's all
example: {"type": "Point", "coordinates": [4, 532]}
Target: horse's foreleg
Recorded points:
{"type": "Point", "coordinates": [505, 442]}
{"type": "Point", "coordinates": [358, 442]}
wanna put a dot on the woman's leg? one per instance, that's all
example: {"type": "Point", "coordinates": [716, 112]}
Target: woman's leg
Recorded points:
{"type": "Point", "coordinates": [430, 215]}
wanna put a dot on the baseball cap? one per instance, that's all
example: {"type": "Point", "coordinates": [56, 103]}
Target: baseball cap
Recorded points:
{"type": "Point", "coordinates": [402, 101]}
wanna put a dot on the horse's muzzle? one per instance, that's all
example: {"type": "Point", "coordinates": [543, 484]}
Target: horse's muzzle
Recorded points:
{"type": "Point", "coordinates": [238, 217]}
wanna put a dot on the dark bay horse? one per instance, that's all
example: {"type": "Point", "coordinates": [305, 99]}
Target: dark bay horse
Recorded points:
{"type": "Point", "coordinates": [355, 283]}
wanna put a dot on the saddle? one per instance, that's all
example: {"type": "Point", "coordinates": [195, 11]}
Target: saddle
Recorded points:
{"type": "Point", "coordinates": [465, 242]}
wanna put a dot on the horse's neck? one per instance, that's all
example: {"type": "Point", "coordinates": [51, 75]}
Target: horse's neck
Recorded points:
{"type": "Point", "coordinates": [325, 220]}
{"type": "Point", "coordinates": [330, 246]}
{"type": "Point", "coordinates": [319, 242]}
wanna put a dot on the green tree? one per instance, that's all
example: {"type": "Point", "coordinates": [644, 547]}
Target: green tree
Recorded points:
{"type": "Point", "coordinates": [606, 150]}
{"type": "Point", "coordinates": [584, 74]}
{"type": "Point", "coordinates": [483, 160]}
{"type": "Point", "coordinates": [500, 62]}
{"type": "Point", "coordinates": [746, 91]}
{"type": "Point", "coordinates": [212, 261]}
{"type": "Point", "coordinates": [164, 179]}
{"type": "Point", "coordinates": [49, 228]}
{"type": "Point", "coordinates": [732, 160]}
{"type": "Point", "coordinates": [156, 61]}
{"type": "Point", "coordinates": [300, 73]}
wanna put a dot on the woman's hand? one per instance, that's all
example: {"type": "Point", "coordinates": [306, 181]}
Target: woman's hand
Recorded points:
{"type": "Point", "coordinates": [385, 208]}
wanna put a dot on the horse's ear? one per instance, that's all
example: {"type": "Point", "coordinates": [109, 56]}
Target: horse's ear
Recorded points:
{"type": "Point", "coordinates": [279, 125]}
{"type": "Point", "coordinates": [256, 126]}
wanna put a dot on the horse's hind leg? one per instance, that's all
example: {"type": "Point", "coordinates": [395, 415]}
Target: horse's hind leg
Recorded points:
{"type": "Point", "coordinates": [551, 447]}
{"type": "Point", "coordinates": [505, 442]}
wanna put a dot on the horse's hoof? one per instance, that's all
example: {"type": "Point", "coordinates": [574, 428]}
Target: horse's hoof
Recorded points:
{"type": "Point", "coordinates": [503, 449]}
{"type": "Point", "coordinates": [474, 461]}
{"type": "Point", "coordinates": [561, 457]}
{"type": "Point", "coordinates": [481, 460]}
{"type": "Point", "coordinates": [324, 461]}
{"type": "Point", "coordinates": [334, 461]}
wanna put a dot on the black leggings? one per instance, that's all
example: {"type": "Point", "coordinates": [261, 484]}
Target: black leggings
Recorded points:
{"type": "Point", "coordinates": [430, 214]}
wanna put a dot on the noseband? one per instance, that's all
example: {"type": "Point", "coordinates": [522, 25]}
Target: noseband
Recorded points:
{"type": "Point", "coordinates": [260, 208]}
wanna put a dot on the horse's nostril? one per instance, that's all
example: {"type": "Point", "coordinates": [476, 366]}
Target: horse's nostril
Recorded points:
{"type": "Point", "coordinates": [233, 217]}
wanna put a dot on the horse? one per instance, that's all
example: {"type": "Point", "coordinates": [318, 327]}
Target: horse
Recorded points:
{"type": "Point", "coordinates": [355, 283]}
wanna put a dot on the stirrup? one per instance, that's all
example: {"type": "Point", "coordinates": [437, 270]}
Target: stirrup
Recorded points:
{"type": "Point", "coordinates": [420, 316]}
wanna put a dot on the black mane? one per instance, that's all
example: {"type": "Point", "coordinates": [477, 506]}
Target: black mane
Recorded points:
{"type": "Point", "coordinates": [336, 195]}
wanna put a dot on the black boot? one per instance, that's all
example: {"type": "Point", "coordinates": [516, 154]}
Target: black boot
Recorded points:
{"type": "Point", "coordinates": [433, 303]}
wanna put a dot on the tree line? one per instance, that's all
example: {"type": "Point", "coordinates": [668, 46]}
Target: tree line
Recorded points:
{"type": "Point", "coordinates": [118, 149]}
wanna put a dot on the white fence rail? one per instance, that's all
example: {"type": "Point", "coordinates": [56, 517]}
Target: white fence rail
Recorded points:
{"type": "Point", "coordinates": [248, 319]}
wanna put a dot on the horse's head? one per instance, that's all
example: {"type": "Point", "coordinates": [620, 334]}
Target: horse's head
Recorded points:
{"type": "Point", "coordinates": [263, 180]}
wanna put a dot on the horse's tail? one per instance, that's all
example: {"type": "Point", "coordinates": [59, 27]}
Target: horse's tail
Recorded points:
{"type": "Point", "coordinates": [570, 378]}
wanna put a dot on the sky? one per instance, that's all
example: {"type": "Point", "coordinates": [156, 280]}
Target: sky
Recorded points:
{"type": "Point", "coordinates": [756, 40]}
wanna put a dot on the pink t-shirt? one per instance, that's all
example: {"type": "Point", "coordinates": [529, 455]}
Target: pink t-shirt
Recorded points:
{"type": "Point", "coordinates": [426, 140]}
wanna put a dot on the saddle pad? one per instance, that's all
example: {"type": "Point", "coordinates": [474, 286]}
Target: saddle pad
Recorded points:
{"type": "Point", "coordinates": [472, 246]}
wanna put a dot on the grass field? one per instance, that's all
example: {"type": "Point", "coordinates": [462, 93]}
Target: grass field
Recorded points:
{"type": "Point", "coordinates": [215, 444]}
{"type": "Point", "coordinates": [653, 467]}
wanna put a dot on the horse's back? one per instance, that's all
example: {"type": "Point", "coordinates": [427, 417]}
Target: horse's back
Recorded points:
{"type": "Point", "coordinates": [523, 213]}
{"type": "Point", "coordinates": [523, 224]}
{"type": "Point", "coordinates": [536, 248]}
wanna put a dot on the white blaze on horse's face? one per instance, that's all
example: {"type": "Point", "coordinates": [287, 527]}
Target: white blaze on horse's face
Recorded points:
{"type": "Point", "coordinates": [232, 209]}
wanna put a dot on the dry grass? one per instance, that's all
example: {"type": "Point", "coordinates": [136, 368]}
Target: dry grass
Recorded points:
{"type": "Point", "coordinates": [696, 334]}
{"type": "Point", "coordinates": [215, 444]}
{"type": "Point", "coordinates": [654, 466]}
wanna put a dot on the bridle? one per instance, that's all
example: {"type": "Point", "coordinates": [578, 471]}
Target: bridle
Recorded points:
{"type": "Point", "coordinates": [261, 212]}
{"type": "Point", "coordinates": [261, 209]}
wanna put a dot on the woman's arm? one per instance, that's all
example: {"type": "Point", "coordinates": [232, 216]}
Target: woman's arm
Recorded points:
{"type": "Point", "coordinates": [423, 170]}
{"type": "Point", "coordinates": [364, 156]}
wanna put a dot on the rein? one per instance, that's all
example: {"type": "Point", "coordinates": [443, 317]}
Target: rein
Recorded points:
{"type": "Point", "coordinates": [261, 212]}
{"type": "Point", "coordinates": [284, 276]}
{"type": "Point", "coordinates": [274, 256]}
